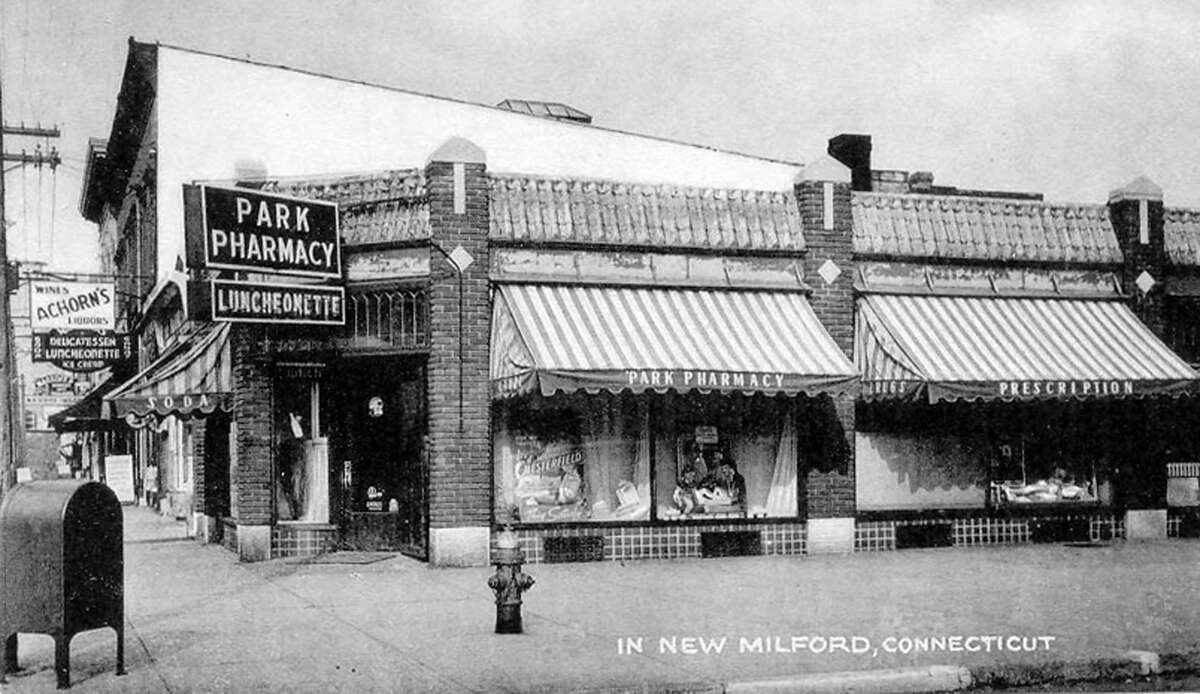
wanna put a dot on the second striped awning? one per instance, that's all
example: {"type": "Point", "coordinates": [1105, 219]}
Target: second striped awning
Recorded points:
{"type": "Point", "coordinates": [192, 378]}
{"type": "Point", "coordinates": [552, 338]}
{"type": "Point", "coordinates": [992, 348]}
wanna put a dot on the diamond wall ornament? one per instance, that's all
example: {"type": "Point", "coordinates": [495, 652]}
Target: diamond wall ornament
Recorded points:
{"type": "Point", "coordinates": [1145, 282]}
{"type": "Point", "coordinates": [829, 271]}
{"type": "Point", "coordinates": [461, 258]}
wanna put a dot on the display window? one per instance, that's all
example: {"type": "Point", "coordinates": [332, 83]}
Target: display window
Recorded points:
{"type": "Point", "coordinates": [573, 458]}
{"type": "Point", "coordinates": [1002, 456]}
{"type": "Point", "coordinates": [301, 453]}
{"type": "Point", "coordinates": [588, 458]}
{"type": "Point", "coordinates": [725, 457]}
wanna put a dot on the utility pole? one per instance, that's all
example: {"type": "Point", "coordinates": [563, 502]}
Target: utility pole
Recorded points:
{"type": "Point", "coordinates": [11, 419]}
{"type": "Point", "coordinates": [8, 362]}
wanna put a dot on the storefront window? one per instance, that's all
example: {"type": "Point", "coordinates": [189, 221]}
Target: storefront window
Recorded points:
{"type": "Point", "coordinates": [998, 455]}
{"type": "Point", "coordinates": [301, 453]}
{"type": "Point", "coordinates": [725, 456]}
{"type": "Point", "coordinates": [573, 458]}
{"type": "Point", "coordinates": [588, 458]}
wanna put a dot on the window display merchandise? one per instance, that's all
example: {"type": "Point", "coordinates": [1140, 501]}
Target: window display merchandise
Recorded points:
{"type": "Point", "coordinates": [588, 458]}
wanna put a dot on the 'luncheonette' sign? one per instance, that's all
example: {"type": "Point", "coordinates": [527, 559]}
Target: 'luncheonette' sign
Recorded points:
{"type": "Point", "coordinates": [264, 302]}
{"type": "Point", "coordinates": [72, 306]}
{"type": "Point", "coordinates": [244, 229]}
{"type": "Point", "coordinates": [82, 351]}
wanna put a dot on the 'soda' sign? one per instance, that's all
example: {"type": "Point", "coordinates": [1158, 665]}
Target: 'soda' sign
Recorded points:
{"type": "Point", "coordinates": [244, 229]}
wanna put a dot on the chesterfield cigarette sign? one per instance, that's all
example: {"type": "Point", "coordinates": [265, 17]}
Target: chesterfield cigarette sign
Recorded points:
{"type": "Point", "coordinates": [244, 229]}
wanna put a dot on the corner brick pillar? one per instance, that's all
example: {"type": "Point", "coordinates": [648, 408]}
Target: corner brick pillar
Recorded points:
{"type": "Point", "coordinates": [459, 443]}
{"type": "Point", "coordinates": [824, 202]}
{"type": "Point", "coordinates": [251, 477]}
{"type": "Point", "coordinates": [1136, 213]}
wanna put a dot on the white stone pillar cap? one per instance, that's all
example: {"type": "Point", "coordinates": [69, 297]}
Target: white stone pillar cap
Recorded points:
{"type": "Point", "coordinates": [1140, 188]}
{"type": "Point", "coordinates": [824, 168]}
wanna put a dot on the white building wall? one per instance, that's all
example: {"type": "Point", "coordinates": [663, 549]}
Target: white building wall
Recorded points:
{"type": "Point", "coordinates": [215, 111]}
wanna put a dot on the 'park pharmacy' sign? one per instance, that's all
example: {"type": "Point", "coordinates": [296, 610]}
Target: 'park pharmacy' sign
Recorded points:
{"type": "Point", "coordinates": [269, 235]}
{"type": "Point", "coordinates": [244, 229]}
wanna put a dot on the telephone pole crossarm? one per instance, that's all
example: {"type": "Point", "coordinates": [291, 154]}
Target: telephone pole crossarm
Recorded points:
{"type": "Point", "coordinates": [22, 129]}
{"type": "Point", "coordinates": [52, 158]}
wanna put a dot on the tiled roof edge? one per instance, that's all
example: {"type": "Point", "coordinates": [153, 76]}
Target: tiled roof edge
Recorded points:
{"type": "Point", "coordinates": [877, 199]}
{"type": "Point", "coordinates": [508, 179]}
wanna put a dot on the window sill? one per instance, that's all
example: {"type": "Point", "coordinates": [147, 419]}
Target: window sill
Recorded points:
{"type": "Point", "coordinates": [307, 525]}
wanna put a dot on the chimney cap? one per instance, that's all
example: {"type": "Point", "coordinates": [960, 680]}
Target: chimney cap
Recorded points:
{"type": "Point", "coordinates": [250, 173]}
{"type": "Point", "coordinates": [920, 180]}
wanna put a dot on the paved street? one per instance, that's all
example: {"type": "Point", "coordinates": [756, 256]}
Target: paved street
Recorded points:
{"type": "Point", "coordinates": [200, 621]}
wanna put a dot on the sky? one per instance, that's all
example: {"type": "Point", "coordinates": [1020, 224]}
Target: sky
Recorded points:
{"type": "Point", "coordinates": [1069, 99]}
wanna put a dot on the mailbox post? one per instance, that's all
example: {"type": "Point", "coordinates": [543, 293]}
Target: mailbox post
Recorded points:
{"type": "Point", "coordinates": [61, 567]}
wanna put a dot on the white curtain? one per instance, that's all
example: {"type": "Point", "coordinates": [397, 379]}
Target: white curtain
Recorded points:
{"type": "Point", "coordinates": [782, 499]}
{"type": "Point", "coordinates": [641, 470]}
{"type": "Point", "coordinates": [605, 461]}
{"type": "Point", "coordinates": [641, 463]}
{"type": "Point", "coordinates": [316, 486]}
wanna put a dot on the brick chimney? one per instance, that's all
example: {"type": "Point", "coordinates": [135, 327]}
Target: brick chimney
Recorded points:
{"type": "Point", "coordinates": [855, 152]}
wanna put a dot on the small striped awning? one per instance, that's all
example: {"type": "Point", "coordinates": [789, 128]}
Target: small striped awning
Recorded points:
{"type": "Point", "coordinates": [991, 348]}
{"type": "Point", "coordinates": [191, 378]}
{"type": "Point", "coordinates": [559, 338]}
{"type": "Point", "coordinates": [86, 414]}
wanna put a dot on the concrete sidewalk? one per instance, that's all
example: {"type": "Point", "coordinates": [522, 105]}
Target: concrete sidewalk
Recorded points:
{"type": "Point", "coordinates": [200, 621]}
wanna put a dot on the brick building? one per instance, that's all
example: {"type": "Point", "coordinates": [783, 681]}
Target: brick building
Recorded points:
{"type": "Point", "coordinates": [622, 346]}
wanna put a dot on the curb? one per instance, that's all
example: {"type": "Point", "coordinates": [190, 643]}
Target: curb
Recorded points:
{"type": "Point", "coordinates": [934, 678]}
{"type": "Point", "coordinates": [940, 678]}
{"type": "Point", "coordinates": [948, 678]}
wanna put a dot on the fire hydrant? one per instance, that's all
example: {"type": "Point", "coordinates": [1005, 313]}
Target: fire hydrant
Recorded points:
{"type": "Point", "coordinates": [509, 582]}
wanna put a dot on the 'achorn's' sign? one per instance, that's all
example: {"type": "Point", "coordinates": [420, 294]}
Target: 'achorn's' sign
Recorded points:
{"type": "Point", "coordinates": [72, 306]}
{"type": "Point", "coordinates": [244, 229]}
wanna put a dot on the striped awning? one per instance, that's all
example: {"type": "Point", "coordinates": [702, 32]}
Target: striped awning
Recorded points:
{"type": "Point", "coordinates": [191, 378]}
{"type": "Point", "coordinates": [990, 348]}
{"type": "Point", "coordinates": [86, 414]}
{"type": "Point", "coordinates": [552, 338]}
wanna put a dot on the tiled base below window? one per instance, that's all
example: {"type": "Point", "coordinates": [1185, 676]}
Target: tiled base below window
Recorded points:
{"type": "Point", "coordinates": [301, 540]}
{"type": "Point", "coordinates": [664, 541]}
{"type": "Point", "coordinates": [1183, 522]}
{"type": "Point", "coordinates": [875, 536]}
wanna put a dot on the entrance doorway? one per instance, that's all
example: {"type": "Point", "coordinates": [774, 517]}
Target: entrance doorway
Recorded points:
{"type": "Point", "coordinates": [216, 470]}
{"type": "Point", "coordinates": [378, 441]}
